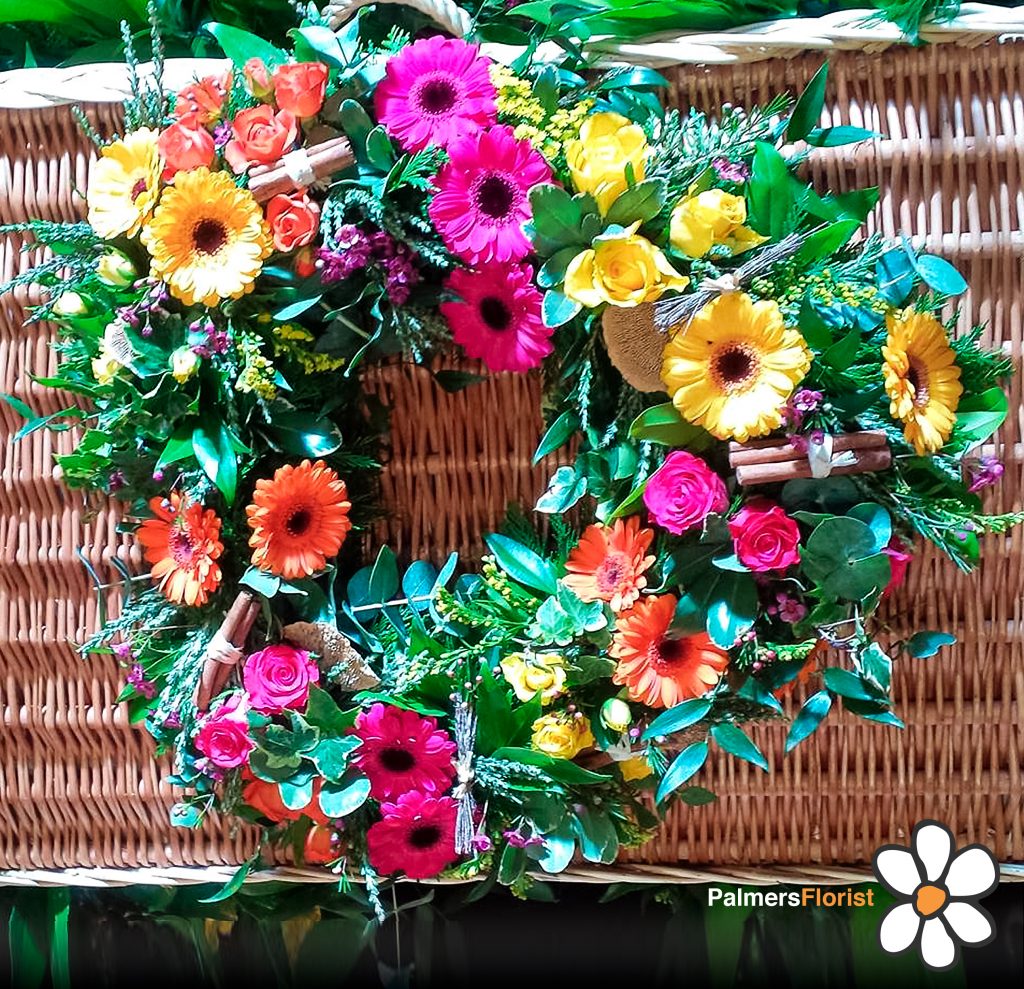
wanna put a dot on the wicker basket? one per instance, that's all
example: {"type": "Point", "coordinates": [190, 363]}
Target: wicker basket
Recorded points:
{"type": "Point", "coordinates": [79, 787]}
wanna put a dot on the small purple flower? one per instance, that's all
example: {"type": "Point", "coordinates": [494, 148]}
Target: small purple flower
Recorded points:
{"type": "Point", "coordinates": [984, 472]}
{"type": "Point", "coordinates": [790, 609]}
{"type": "Point", "coordinates": [806, 400]}
{"type": "Point", "coordinates": [123, 651]}
{"type": "Point", "coordinates": [481, 843]}
{"type": "Point", "coordinates": [798, 442]}
{"type": "Point", "coordinates": [401, 274]}
{"type": "Point", "coordinates": [731, 171]}
{"type": "Point", "coordinates": [172, 721]}
{"type": "Point", "coordinates": [158, 475]}
{"type": "Point", "coordinates": [137, 678]}
{"type": "Point", "coordinates": [349, 251]}
{"type": "Point", "coordinates": [518, 840]}
{"type": "Point", "coordinates": [221, 134]}
{"type": "Point", "coordinates": [117, 480]}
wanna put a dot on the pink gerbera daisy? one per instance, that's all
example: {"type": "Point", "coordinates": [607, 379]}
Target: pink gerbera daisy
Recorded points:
{"type": "Point", "coordinates": [402, 751]}
{"type": "Point", "coordinates": [435, 91]}
{"type": "Point", "coordinates": [416, 836]}
{"type": "Point", "coordinates": [498, 316]}
{"type": "Point", "coordinates": [481, 203]}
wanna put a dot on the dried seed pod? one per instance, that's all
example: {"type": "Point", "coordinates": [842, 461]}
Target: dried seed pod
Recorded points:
{"type": "Point", "coordinates": [635, 345]}
{"type": "Point", "coordinates": [338, 657]}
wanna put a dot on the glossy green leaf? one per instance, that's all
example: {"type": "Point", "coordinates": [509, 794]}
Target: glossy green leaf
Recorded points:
{"type": "Point", "coordinates": [562, 770]}
{"type": "Point", "coordinates": [664, 425]}
{"type": "Point", "coordinates": [522, 564]}
{"type": "Point", "coordinates": [736, 742]}
{"type": "Point", "coordinates": [843, 353]}
{"type": "Point", "coordinates": [557, 435]}
{"type": "Point", "coordinates": [924, 645]}
{"type": "Point", "coordinates": [835, 137]}
{"type": "Point", "coordinates": [599, 841]}
{"type": "Point", "coordinates": [811, 714]}
{"type": "Point", "coordinates": [685, 765]}
{"type": "Point", "coordinates": [849, 684]}
{"type": "Point", "coordinates": [241, 45]}
{"type": "Point", "coordinates": [807, 112]}
{"type": "Point", "coordinates": [341, 799]}
{"type": "Point", "coordinates": [677, 718]}
{"type": "Point", "coordinates": [233, 885]}
{"type": "Point", "coordinates": [940, 275]}
{"type": "Point", "coordinates": [641, 203]}
{"type": "Point", "coordinates": [559, 849]}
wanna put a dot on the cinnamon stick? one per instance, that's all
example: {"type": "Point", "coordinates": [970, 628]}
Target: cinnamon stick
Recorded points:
{"type": "Point", "coordinates": [235, 629]}
{"type": "Point", "coordinates": [776, 451]}
{"type": "Point", "coordinates": [267, 181]}
{"type": "Point", "coordinates": [867, 461]}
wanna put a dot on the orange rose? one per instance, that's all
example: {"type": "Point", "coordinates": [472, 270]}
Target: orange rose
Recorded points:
{"type": "Point", "coordinates": [294, 220]}
{"type": "Point", "coordinates": [305, 263]}
{"type": "Point", "coordinates": [257, 79]}
{"type": "Point", "coordinates": [205, 97]}
{"type": "Point", "coordinates": [300, 88]}
{"type": "Point", "coordinates": [185, 145]}
{"type": "Point", "coordinates": [266, 798]}
{"type": "Point", "coordinates": [319, 849]}
{"type": "Point", "coordinates": [260, 137]}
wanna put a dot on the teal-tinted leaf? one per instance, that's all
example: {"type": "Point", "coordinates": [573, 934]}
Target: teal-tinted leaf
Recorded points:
{"type": "Point", "coordinates": [558, 434]}
{"type": "Point", "coordinates": [940, 275]}
{"type": "Point", "coordinates": [731, 562]}
{"type": "Point", "coordinates": [849, 684]}
{"type": "Point", "coordinates": [807, 111]}
{"type": "Point", "coordinates": [599, 841]}
{"type": "Point", "coordinates": [233, 885]}
{"type": "Point", "coordinates": [453, 380]}
{"type": "Point", "coordinates": [811, 714]}
{"type": "Point", "coordinates": [341, 799]}
{"type": "Point", "coordinates": [895, 274]}
{"type": "Point", "coordinates": [677, 718]}
{"type": "Point", "coordinates": [814, 329]}
{"type": "Point", "coordinates": [877, 519]}
{"type": "Point", "coordinates": [876, 667]}
{"type": "Point", "coordinates": [241, 45]}
{"type": "Point", "coordinates": [735, 741]}
{"type": "Point", "coordinates": [418, 584]}
{"type": "Point", "coordinates": [629, 505]}
{"type": "Point", "coordinates": [731, 609]}
{"type": "Point", "coordinates": [685, 765]}
{"type": "Point", "coordinates": [637, 77]}
{"type": "Point", "coordinates": [563, 491]}
{"type": "Point", "coordinates": [872, 711]}
{"type": "Point", "coordinates": [558, 309]}
{"type": "Point", "coordinates": [383, 584]}
{"type": "Point", "coordinates": [641, 203]}
{"type": "Point", "coordinates": [261, 582]}
{"type": "Point", "coordinates": [19, 406]}
{"type": "Point", "coordinates": [522, 564]}
{"type": "Point", "coordinates": [756, 692]}
{"type": "Point", "coordinates": [296, 795]}
{"type": "Point", "coordinates": [835, 137]}
{"type": "Point", "coordinates": [185, 816]}
{"type": "Point", "coordinates": [559, 849]}
{"type": "Point", "coordinates": [552, 272]}
{"type": "Point", "coordinates": [331, 756]}
{"type": "Point", "coordinates": [924, 645]}
{"type": "Point", "coordinates": [689, 618]}
{"type": "Point", "coordinates": [295, 309]}
{"type": "Point", "coordinates": [316, 42]}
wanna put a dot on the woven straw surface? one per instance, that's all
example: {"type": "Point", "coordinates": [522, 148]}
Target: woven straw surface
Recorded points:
{"type": "Point", "coordinates": [80, 787]}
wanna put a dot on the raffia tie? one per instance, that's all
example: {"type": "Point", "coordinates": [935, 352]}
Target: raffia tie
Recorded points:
{"type": "Point", "coordinates": [823, 460]}
{"type": "Point", "coordinates": [222, 651]}
{"type": "Point", "coordinates": [465, 740]}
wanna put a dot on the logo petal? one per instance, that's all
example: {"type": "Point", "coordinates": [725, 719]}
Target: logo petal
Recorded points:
{"type": "Point", "coordinates": [938, 949]}
{"type": "Point", "coordinates": [933, 844]}
{"type": "Point", "coordinates": [899, 928]}
{"type": "Point", "coordinates": [897, 868]}
{"type": "Point", "coordinates": [972, 872]}
{"type": "Point", "coordinates": [970, 924]}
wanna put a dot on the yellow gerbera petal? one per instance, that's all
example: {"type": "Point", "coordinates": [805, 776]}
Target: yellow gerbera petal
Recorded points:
{"type": "Point", "coordinates": [125, 184]}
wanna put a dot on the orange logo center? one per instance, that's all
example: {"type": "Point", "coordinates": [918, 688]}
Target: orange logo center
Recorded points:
{"type": "Point", "coordinates": [929, 900]}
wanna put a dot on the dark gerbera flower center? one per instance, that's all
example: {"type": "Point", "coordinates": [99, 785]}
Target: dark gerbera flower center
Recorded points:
{"type": "Point", "coordinates": [397, 760]}
{"type": "Point", "coordinates": [734, 367]}
{"type": "Point", "coordinates": [299, 522]}
{"type": "Point", "coordinates": [209, 236]}
{"type": "Point", "coordinates": [667, 653]}
{"type": "Point", "coordinates": [424, 836]}
{"type": "Point", "coordinates": [917, 376]}
{"type": "Point", "coordinates": [180, 546]}
{"type": "Point", "coordinates": [495, 313]}
{"type": "Point", "coordinates": [138, 189]}
{"type": "Point", "coordinates": [437, 95]}
{"type": "Point", "coordinates": [495, 196]}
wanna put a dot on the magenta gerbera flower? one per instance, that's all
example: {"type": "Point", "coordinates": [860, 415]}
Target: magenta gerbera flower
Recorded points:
{"type": "Point", "coordinates": [481, 203]}
{"type": "Point", "coordinates": [415, 836]}
{"type": "Point", "coordinates": [498, 316]}
{"type": "Point", "coordinates": [402, 751]}
{"type": "Point", "coordinates": [434, 91]}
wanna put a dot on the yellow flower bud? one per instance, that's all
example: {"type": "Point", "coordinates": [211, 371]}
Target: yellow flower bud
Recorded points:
{"type": "Point", "coordinates": [115, 269]}
{"type": "Point", "coordinates": [561, 735]}
{"type": "Point", "coordinates": [542, 674]}
{"type": "Point", "coordinates": [636, 768]}
{"type": "Point", "coordinates": [712, 217]}
{"type": "Point", "coordinates": [184, 363]}
{"type": "Point", "coordinates": [622, 269]}
{"type": "Point", "coordinates": [597, 159]}
{"type": "Point", "coordinates": [69, 304]}
{"type": "Point", "coordinates": [616, 715]}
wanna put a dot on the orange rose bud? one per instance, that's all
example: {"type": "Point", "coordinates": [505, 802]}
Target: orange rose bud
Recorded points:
{"type": "Point", "coordinates": [185, 145]}
{"type": "Point", "coordinates": [261, 136]}
{"type": "Point", "coordinates": [319, 849]}
{"type": "Point", "coordinates": [300, 88]}
{"type": "Point", "coordinates": [294, 220]}
{"type": "Point", "coordinates": [257, 79]}
{"type": "Point", "coordinates": [265, 798]}
{"type": "Point", "coordinates": [204, 97]}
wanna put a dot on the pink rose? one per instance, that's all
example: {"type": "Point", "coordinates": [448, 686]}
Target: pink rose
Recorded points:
{"type": "Point", "coordinates": [260, 137]}
{"type": "Point", "coordinates": [185, 145]}
{"type": "Point", "coordinates": [899, 560]}
{"type": "Point", "coordinates": [766, 538]}
{"type": "Point", "coordinates": [278, 678]}
{"type": "Point", "coordinates": [223, 736]}
{"type": "Point", "coordinates": [683, 492]}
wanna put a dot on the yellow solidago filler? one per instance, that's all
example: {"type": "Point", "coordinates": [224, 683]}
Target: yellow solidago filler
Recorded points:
{"type": "Point", "coordinates": [921, 379]}
{"type": "Point", "coordinates": [622, 269]}
{"type": "Point", "coordinates": [709, 218]}
{"type": "Point", "coordinates": [207, 238]}
{"type": "Point", "coordinates": [561, 735]}
{"type": "Point", "coordinates": [125, 185]}
{"type": "Point", "coordinates": [735, 366]}
{"type": "Point", "coordinates": [597, 159]}
{"type": "Point", "coordinates": [296, 342]}
{"type": "Point", "coordinates": [529, 675]}
{"type": "Point", "coordinates": [257, 374]}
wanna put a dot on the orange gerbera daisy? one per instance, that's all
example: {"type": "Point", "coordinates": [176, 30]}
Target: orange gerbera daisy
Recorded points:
{"type": "Point", "coordinates": [609, 561]}
{"type": "Point", "coordinates": [658, 670]}
{"type": "Point", "coordinates": [298, 519]}
{"type": "Point", "coordinates": [182, 543]}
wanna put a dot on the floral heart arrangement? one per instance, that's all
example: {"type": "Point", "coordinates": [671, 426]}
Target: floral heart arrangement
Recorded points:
{"type": "Point", "coordinates": [763, 412]}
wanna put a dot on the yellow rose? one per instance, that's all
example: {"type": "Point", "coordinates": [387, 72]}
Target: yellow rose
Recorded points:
{"type": "Point", "coordinates": [105, 366]}
{"type": "Point", "coordinates": [69, 304]}
{"type": "Point", "coordinates": [530, 675]}
{"type": "Point", "coordinates": [712, 217]}
{"type": "Point", "coordinates": [184, 363]}
{"type": "Point", "coordinates": [116, 270]}
{"type": "Point", "coordinates": [561, 735]}
{"type": "Point", "coordinates": [114, 353]}
{"type": "Point", "coordinates": [616, 715]}
{"type": "Point", "coordinates": [623, 269]}
{"type": "Point", "coordinates": [597, 159]}
{"type": "Point", "coordinates": [636, 768]}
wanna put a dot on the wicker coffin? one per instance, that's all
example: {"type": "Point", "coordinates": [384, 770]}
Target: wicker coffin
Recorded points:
{"type": "Point", "coordinates": [79, 786]}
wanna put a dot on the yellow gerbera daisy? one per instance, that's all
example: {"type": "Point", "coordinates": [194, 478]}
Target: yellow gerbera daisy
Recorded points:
{"type": "Point", "coordinates": [125, 185]}
{"type": "Point", "coordinates": [921, 378]}
{"type": "Point", "coordinates": [207, 238]}
{"type": "Point", "coordinates": [733, 367]}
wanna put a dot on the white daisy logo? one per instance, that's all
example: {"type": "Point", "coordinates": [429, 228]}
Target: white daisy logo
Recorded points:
{"type": "Point", "coordinates": [940, 888]}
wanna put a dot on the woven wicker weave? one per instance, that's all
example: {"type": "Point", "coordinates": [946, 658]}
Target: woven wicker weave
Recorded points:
{"type": "Point", "coordinates": [79, 786]}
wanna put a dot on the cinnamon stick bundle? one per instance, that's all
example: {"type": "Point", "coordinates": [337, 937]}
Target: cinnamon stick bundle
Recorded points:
{"type": "Point", "coordinates": [267, 181]}
{"type": "Point", "coordinates": [235, 630]}
{"type": "Point", "coordinates": [774, 461]}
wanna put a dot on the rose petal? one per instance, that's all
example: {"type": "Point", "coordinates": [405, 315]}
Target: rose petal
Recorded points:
{"type": "Point", "coordinates": [934, 845]}
{"type": "Point", "coordinates": [899, 928]}
{"type": "Point", "coordinates": [897, 868]}
{"type": "Point", "coordinates": [938, 949]}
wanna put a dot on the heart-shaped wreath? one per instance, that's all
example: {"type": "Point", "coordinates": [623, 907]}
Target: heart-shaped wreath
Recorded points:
{"type": "Point", "coordinates": [763, 409]}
